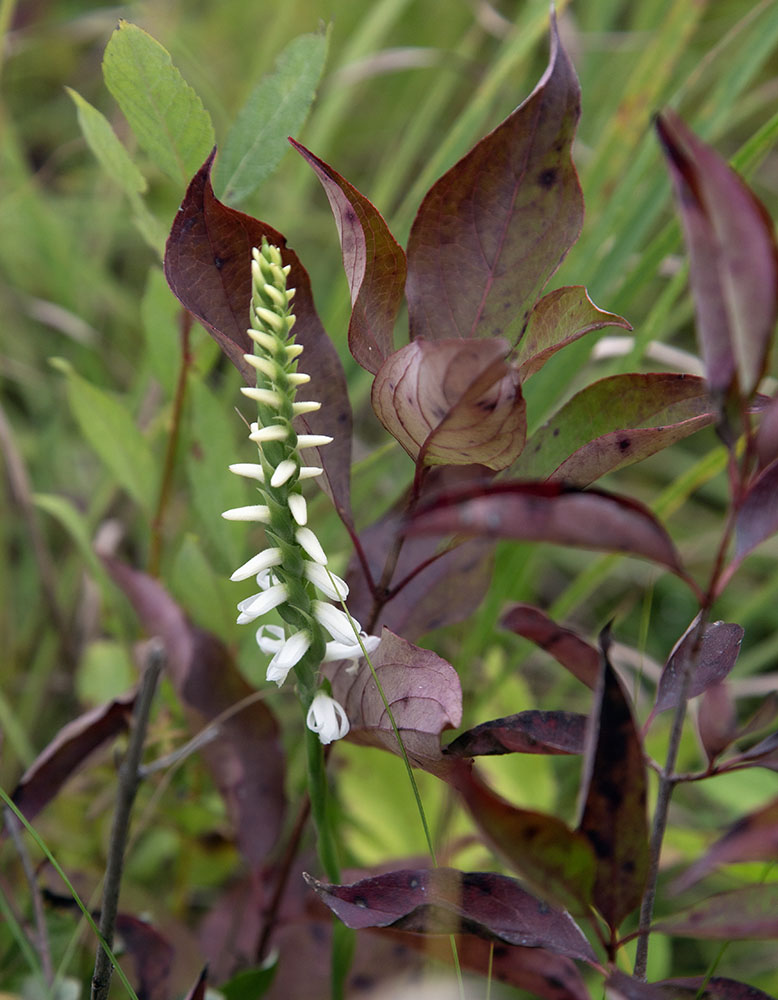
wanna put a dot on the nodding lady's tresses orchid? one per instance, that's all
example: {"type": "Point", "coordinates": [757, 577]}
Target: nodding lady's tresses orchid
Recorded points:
{"type": "Point", "coordinates": [291, 570]}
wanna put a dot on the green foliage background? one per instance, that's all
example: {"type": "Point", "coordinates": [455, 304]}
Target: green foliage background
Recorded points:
{"type": "Point", "coordinates": [404, 93]}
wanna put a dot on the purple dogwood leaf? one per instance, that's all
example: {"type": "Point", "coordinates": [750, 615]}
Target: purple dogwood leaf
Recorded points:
{"type": "Point", "coordinates": [67, 751]}
{"type": "Point", "coordinates": [614, 816]}
{"type": "Point", "coordinates": [556, 862]}
{"type": "Point", "coordinates": [526, 732]}
{"type": "Point", "coordinates": [716, 720]}
{"type": "Point", "coordinates": [491, 232]}
{"type": "Point", "coordinates": [152, 955]}
{"type": "Point", "coordinates": [710, 988]}
{"type": "Point", "coordinates": [447, 901]}
{"type": "Point", "coordinates": [246, 757]}
{"type": "Point", "coordinates": [549, 512]}
{"type": "Point", "coordinates": [567, 647]}
{"type": "Point", "coordinates": [734, 259]}
{"type": "Point", "coordinates": [613, 423]}
{"type": "Point", "coordinates": [714, 659]}
{"type": "Point", "coordinates": [748, 912]}
{"type": "Point", "coordinates": [422, 689]}
{"type": "Point", "coordinates": [445, 590]}
{"type": "Point", "coordinates": [453, 402]}
{"type": "Point", "coordinates": [558, 319]}
{"type": "Point", "coordinates": [200, 986]}
{"type": "Point", "coordinates": [757, 515]}
{"type": "Point", "coordinates": [767, 435]}
{"type": "Point", "coordinates": [374, 263]}
{"type": "Point", "coordinates": [208, 268]}
{"type": "Point", "coordinates": [752, 838]}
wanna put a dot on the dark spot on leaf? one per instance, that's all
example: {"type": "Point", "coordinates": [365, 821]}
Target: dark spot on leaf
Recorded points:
{"type": "Point", "coordinates": [218, 263]}
{"type": "Point", "coordinates": [532, 831]}
{"type": "Point", "coordinates": [547, 178]}
{"type": "Point", "coordinates": [555, 983]}
{"type": "Point", "coordinates": [555, 432]}
{"type": "Point", "coordinates": [602, 847]}
{"type": "Point", "coordinates": [360, 901]}
{"type": "Point", "coordinates": [500, 950]}
{"type": "Point", "coordinates": [628, 867]}
{"type": "Point", "coordinates": [362, 981]}
{"type": "Point", "coordinates": [624, 444]}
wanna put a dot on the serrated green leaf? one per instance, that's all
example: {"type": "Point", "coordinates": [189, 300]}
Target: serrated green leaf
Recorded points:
{"type": "Point", "coordinates": [105, 144]}
{"type": "Point", "coordinates": [164, 112]}
{"type": "Point", "coordinates": [111, 431]}
{"type": "Point", "coordinates": [275, 109]}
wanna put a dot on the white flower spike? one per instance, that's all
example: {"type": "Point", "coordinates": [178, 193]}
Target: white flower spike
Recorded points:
{"type": "Point", "coordinates": [290, 570]}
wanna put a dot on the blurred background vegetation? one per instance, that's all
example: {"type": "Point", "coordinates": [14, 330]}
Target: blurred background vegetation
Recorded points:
{"type": "Point", "coordinates": [408, 87]}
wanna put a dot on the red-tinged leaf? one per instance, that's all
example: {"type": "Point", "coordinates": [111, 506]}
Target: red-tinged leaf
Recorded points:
{"type": "Point", "coordinates": [422, 689]}
{"type": "Point", "coordinates": [750, 912]}
{"type": "Point", "coordinates": [492, 231]}
{"type": "Point", "coordinates": [198, 991]}
{"type": "Point", "coordinates": [615, 422]}
{"type": "Point", "coordinates": [374, 263]}
{"type": "Point", "coordinates": [713, 660]}
{"type": "Point", "coordinates": [246, 758]}
{"type": "Point", "coordinates": [567, 647]}
{"type": "Point", "coordinates": [716, 720]}
{"type": "Point", "coordinates": [558, 319]}
{"type": "Point", "coordinates": [767, 435]}
{"type": "Point", "coordinates": [152, 955]}
{"type": "Point", "coordinates": [621, 986]}
{"type": "Point", "coordinates": [733, 255]}
{"type": "Point", "coordinates": [525, 732]}
{"type": "Point", "coordinates": [757, 515]}
{"type": "Point", "coordinates": [614, 812]}
{"type": "Point", "coordinates": [752, 838]}
{"type": "Point", "coordinates": [714, 988]}
{"type": "Point", "coordinates": [446, 591]}
{"type": "Point", "coordinates": [208, 267]}
{"type": "Point", "coordinates": [453, 402]}
{"type": "Point", "coordinates": [549, 512]}
{"type": "Point", "coordinates": [762, 754]}
{"type": "Point", "coordinates": [447, 901]}
{"type": "Point", "coordinates": [556, 862]}
{"type": "Point", "coordinates": [538, 972]}
{"type": "Point", "coordinates": [231, 928]}
{"type": "Point", "coordinates": [70, 747]}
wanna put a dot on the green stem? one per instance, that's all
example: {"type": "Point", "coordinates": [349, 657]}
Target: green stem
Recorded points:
{"type": "Point", "coordinates": [317, 789]}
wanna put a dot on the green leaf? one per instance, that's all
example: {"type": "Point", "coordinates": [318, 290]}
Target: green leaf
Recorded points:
{"type": "Point", "coordinates": [160, 312]}
{"type": "Point", "coordinates": [252, 983]}
{"type": "Point", "coordinates": [117, 163]}
{"type": "Point", "coordinates": [276, 108]}
{"type": "Point", "coordinates": [75, 524]}
{"type": "Point", "coordinates": [165, 113]}
{"type": "Point", "coordinates": [111, 431]}
{"type": "Point", "coordinates": [213, 488]}
{"type": "Point", "coordinates": [105, 144]}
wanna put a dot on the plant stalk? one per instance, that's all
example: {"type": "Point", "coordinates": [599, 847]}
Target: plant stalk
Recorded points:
{"type": "Point", "coordinates": [129, 779]}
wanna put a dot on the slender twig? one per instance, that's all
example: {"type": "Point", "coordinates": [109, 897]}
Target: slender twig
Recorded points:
{"type": "Point", "coordinates": [155, 544]}
{"type": "Point", "coordinates": [129, 779]}
{"type": "Point", "coordinates": [41, 936]}
{"type": "Point", "coordinates": [667, 778]}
